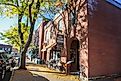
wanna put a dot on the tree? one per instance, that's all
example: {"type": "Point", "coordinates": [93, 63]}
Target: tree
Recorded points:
{"type": "Point", "coordinates": [11, 36]}
{"type": "Point", "coordinates": [32, 9]}
{"type": "Point", "coordinates": [29, 9]}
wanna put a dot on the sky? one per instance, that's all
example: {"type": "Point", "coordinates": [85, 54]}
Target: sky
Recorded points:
{"type": "Point", "coordinates": [6, 23]}
{"type": "Point", "coordinates": [118, 1]}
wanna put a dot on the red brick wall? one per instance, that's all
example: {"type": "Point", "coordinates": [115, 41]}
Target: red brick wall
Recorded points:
{"type": "Point", "coordinates": [41, 38]}
{"type": "Point", "coordinates": [105, 40]}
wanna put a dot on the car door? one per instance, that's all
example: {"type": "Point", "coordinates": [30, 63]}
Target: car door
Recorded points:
{"type": "Point", "coordinates": [2, 67]}
{"type": "Point", "coordinates": [6, 59]}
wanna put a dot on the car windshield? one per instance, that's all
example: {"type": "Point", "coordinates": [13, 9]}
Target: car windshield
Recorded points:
{"type": "Point", "coordinates": [0, 57]}
{"type": "Point", "coordinates": [6, 56]}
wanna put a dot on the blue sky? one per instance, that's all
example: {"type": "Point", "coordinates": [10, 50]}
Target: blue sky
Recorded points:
{"type": "Point", "coordinates": [118, 1]}
{"type": "Point", "coordinates": [6, 23]}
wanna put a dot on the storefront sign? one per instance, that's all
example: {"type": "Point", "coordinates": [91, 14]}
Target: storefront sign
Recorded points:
{"type": "Point", "coordinates": [60, 39]}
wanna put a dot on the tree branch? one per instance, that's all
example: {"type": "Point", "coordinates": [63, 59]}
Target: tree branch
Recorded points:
{"type": "Point", "coordinates": [9, 4]}
{"type": "Point", "coordinates": [17, 2]}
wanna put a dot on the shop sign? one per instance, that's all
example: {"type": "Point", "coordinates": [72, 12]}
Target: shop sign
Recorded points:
{"type": "Point", "coordinates": [60, 39]}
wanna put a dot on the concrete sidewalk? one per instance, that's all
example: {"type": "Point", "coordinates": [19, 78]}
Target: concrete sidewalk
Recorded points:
{"type": "Point", "coordinates": [22, 75]}
{"type": "Point", "coordinates": [25, 75]}
{"type": "Point", "coordinates": [39, 73]}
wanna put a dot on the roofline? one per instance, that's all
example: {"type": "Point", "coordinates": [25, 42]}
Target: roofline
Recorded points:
{"type": "Point", "coordinates": [114, 3]}
{"type": "Point", "coordinates": [5, 45]}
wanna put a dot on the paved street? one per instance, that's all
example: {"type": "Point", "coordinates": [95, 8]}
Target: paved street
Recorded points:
{"type": "Point", "coordinates": [41, 73]}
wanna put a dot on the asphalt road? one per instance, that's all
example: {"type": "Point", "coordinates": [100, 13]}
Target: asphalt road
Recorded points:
{"type": "Point", "coordinates": [7, 76]}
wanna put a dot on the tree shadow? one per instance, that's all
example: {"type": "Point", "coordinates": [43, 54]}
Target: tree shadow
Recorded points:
{"type": "Point", "coordinates": [47, 71]}
{"type": "Point", "coordinates": [36, 77]}
{"type": "Point", "coordinates": [39, 78]}
{"type": "Point", "coordinates": [26, 75]}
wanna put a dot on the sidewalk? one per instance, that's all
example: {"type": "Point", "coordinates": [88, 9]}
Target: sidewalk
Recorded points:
{"type": "Point", "coordinates": [40, 73]}
{"type": "Point", "coordinates": [22, 75]}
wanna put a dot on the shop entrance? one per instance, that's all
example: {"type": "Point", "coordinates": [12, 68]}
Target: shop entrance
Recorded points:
{"type": "Point", "coordinates": [74, 56]}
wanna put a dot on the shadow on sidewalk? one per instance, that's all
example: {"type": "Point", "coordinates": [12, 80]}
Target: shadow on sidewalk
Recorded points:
{"type": "Point", "coordinates": [25, 75]}
{"type": "Point", "coordinates": [39, 78]}
{"type": "Point", "coordinates": [47, 71]}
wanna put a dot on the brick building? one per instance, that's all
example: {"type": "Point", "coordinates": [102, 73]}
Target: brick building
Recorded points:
{"type": "Point", "coordinates": [38, 40]}
{"type": "Point", "coordinates": [52, 40]}
{"type": "Point", "coordinates": [93, 43]}
{"type": "Point", "coordinates": [105, 39]}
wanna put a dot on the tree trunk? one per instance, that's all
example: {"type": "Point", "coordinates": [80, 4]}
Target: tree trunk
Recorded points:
{"type": "Point", "coordinates": [32, 22]}
{"type": "Point", "coordinates": [23, 53]}
{"type": "Point", "coordinates": [20, 32]}
{"type": "Point", "coordinates": [21, 38]}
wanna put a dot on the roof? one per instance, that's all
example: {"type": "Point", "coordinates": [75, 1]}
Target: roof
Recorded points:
{"type": "Point", "coordinates": [5, 45]}
{"type": "Point", "coordinates": [116, 3]}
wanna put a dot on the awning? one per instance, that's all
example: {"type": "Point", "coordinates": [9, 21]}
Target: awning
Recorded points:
{"type": "Point", "coordinates": [51, 45]}
{"type": "Point", "coordinates": [44, 49]}
{"type": "Point", "coordinates": [48, 47]}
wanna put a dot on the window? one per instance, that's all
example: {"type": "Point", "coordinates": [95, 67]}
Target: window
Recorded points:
{"type": "Point", "coordinates": [51, 32]}
{"type": "Point", "coordinates": [60, 24]}
{"type": "Point", "coordinates": [47, 36]}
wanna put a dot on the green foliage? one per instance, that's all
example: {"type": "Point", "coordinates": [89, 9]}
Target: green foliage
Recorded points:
{"type": "Point", "coordinates": [32, 9]}
{"type": "Point", "coordinates": [15, 7]}
{"type": "Point", "coordinates": [11, 35]}
{"type": "Point", "coordinates": [34, 52]}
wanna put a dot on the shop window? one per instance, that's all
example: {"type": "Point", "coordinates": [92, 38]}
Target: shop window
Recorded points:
{"type": "Point", "coordinates": [47, 36]}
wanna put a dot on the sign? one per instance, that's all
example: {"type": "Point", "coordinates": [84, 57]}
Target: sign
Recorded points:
{"type": "Point", "coordinates": [60, 38]}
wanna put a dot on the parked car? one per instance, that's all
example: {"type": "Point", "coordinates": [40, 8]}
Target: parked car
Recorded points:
{"type": "Point", "coordinates": [6, 63]}
{"type": "Point", "coordinates": [17, 59]}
